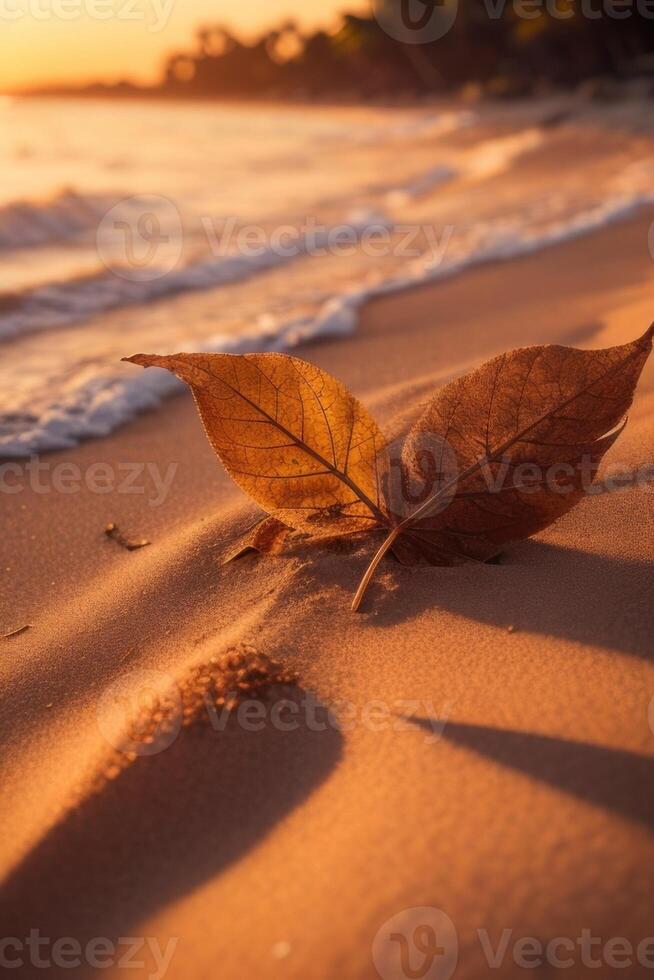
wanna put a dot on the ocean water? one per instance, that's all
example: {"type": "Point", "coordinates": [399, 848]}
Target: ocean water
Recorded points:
{"type": "Point", "coordinates": [129, 227]}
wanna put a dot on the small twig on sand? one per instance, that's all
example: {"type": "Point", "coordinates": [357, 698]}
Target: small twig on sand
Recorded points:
{"type": "Point", "coordinates": [113, 531]}
{"type": "Point", "coordinates": [18, 632]}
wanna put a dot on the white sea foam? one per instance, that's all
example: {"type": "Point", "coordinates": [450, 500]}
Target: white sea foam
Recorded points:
{"type": "Point", "coordinates": [495, 156]}
{"type": "Point", "coordinates": [489, 158]}
{"type": "Point", "coordinates": [24, 224]}
{"type": "Point", "coordinates": [419, 185]}
{"type": "Point", "coordinates": [56, 305]}
{"type": "Point", "coordinates": [61, 380]}
{"type": "Point", "coordinates": [432, 124]}
{"type": "Point", "coordinates": [102, 403]}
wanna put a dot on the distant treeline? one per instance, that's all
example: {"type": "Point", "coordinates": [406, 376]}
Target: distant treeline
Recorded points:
{"type": "Point", "coordinates": [515, 47]}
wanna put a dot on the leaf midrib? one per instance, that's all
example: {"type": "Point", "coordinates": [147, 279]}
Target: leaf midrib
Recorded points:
{"type": "Point", "coordinates": [343, 477]}
{"type": "Point", "coordinates": [490, 457]}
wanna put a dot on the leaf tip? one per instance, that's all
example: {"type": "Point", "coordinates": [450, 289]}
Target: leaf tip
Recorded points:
{"type": "Point", "coordinates": [145, 360]}
{"type": "Point", "coordinates": [647, 338]}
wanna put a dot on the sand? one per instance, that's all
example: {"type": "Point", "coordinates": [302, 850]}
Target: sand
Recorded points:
{"type": "Point", "coordinates": [520, 795]}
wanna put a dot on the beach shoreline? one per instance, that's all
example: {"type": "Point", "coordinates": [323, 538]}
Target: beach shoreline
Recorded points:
{"type": "Point", "coordinates": [532, 811]}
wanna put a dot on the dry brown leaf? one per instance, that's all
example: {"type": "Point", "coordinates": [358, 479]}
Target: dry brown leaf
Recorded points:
{"type": "Point", "coordinates": [267, 537]}
{"type": "Point", "coordinates": [543, 406]}
{"type": "Point", "coordinates": [288, 433]}
{"type": "Point", "coordinates": [308, 452]}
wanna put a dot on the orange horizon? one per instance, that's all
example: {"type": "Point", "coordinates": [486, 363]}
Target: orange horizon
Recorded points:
{"type": "Point", "coordinates": [48, 51]}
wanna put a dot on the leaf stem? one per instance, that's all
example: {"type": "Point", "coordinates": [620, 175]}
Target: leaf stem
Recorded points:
{"type": "Point", "coordinates": [372, 567]}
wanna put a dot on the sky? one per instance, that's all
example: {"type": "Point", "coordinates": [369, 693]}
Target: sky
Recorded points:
{"type": "Point", "coordinates": [44, 41]}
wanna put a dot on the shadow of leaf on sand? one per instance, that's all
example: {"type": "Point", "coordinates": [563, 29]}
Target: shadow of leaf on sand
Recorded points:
{"type": "Point", "coordinates": [167, 823]}
{"type": "Point", "coordinates": [611, 779]}
{"type": "Point", "coordinates": [539, 588]}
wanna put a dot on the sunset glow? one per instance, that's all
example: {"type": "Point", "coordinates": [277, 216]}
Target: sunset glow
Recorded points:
{"type": "Point", "coordinates": [77, 41]}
